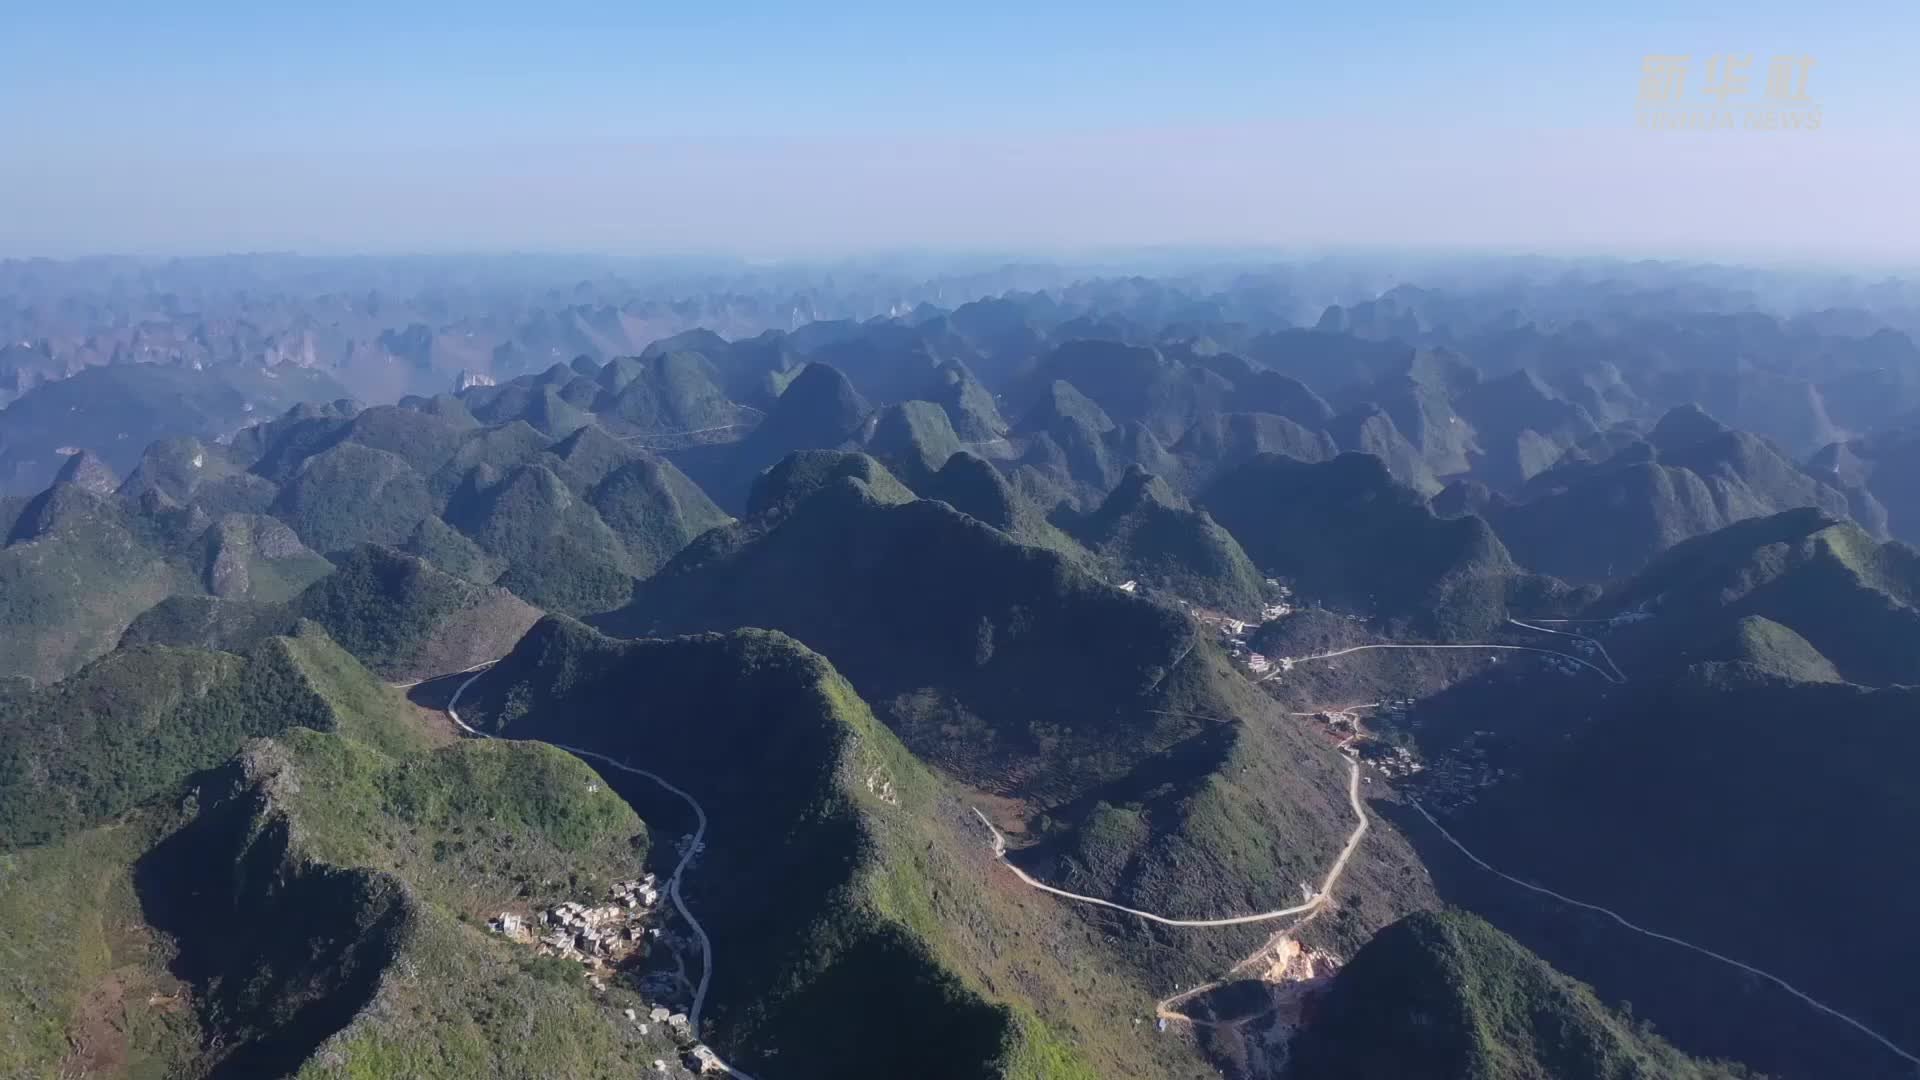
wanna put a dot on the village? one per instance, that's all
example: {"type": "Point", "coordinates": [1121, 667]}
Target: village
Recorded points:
{"type": "Point", "coordinates": [613, 941]}
{"type": "Point", "coordinates": [1233, 631]}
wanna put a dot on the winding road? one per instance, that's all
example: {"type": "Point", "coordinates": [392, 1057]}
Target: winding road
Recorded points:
{"type": "Point", "coordinates": [1319, 897]}
{"type": "Point", "coordinates": [679, 870]}
{"type": "Point", "coordinates": [1287, 662]}
{"type": "Point", "coordinates": [671, 434]}
{"type": "Point", "coordinates": [1618, 677]}
{"type": "Point", "coordinates": [1638, 929]}
{"type": "Point", "coordinates": [1309, 908]}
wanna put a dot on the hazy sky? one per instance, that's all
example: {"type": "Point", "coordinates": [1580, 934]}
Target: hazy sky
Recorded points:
{"type": "Point", "coordinates": [830, 127]}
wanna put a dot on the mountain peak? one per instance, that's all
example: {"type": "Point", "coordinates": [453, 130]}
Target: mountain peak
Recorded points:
{"type": "Point", "coordinates": [821, 396]}
{"type": "Point", "coordinates": [1684, 425]}
{"type": "Point", "coordinates": [85, 470]}
{"type": "Point", "coordinates": [798, 476]}
{"type": "Point", "coordinates": [1062, 402]}
{"type": "Point", "coordinates": [1138, 486]}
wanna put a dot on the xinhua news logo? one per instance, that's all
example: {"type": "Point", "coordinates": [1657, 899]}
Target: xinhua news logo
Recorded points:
{"type": "Point", "coordinates": [1726, 93]}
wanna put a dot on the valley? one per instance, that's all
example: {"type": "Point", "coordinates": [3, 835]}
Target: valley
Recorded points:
{"type": "Point", "coordinates": [1051, 685]}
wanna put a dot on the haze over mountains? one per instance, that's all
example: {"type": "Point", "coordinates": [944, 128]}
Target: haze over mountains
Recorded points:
{"type": "Point", "coordinates": [1000, 673]}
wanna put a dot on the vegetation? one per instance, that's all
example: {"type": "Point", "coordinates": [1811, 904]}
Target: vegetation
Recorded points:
{"type": "Point", "coordinates": [974, 487]}
{"type": "Point", "coordinates": [256, 557]}
{"type": "Point", "coordinates": [134, 725]}
{"type": "Point", "coordinates": [1848, 596]}
{"type": "Point", "coordinates": [74, 572]}
{"type": "Point", "coordinates": [1445, 996]}
{"type": "Point", "coordinates": [798, 477]}
{"type": "Point", "coordinates": [669, 392]}
{"type": "Point", "coordinates": [1744, 790]}
{"type": "Point", "coordinates": [1346, 534]}
{"type": "Point", "coordinates": [558, 552]}
{"type": "Point", "coordinates": [310, 909]}
{"type": "Point", "coordinates": [115, 410]}
{"type": "Point", "coordinates": [407, 620]}
{"type": "Point", "coordinates": [1690, 476]}
{"type": "Point", "coordinates": [352, 494]}
{"type": "Point", "coordinates": [915, 438]}
{"type": "Point", "coordinates": [916, 597]}
{"type": "Point", "coordinates": [87, 988]}
{"type": "Point", "coordinates": [835, 863]}
{"type": "Point", "coordinates": [1773, 651]}
{"type": "Point", "coordinates": [818, 410]}
{"type": "Point", "coordinates": [1011, 670]}
{"type": "Point", "coordinates": [1149, 533]}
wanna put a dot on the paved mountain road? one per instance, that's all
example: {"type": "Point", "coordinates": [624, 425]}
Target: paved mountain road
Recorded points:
{"type": "Point", "coordinates": [1320, 897]}
{"type": "Point", "coordinates": [1638, 929]}
{"type": "Point", "coordinates": [679, 870]}
{"type": "Point", "coordinates": [1286, 662]}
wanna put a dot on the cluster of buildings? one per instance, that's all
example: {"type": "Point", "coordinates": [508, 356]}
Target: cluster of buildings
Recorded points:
{"type": "Point", "coordinates": [599, 937]}
{"type": "Point", "coordinates": [602, 938]}
{"type": "Point", "coordinates": [694, 1054]}
{"type": "Point", "coordinates": [1233, 631]}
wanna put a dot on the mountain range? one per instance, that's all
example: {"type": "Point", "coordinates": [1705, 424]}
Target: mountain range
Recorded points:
{"type": "Point", "coordinates": [1130, 677]}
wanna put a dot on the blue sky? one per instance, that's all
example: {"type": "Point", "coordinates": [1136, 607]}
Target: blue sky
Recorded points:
{"type": "Point", "coordinates": [833, 127]}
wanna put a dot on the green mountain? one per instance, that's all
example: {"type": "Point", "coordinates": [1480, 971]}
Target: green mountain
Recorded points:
{"type": "Point", "coordinates": [1011, 670]}
{"type": "Point", "coordinates": [1444, 996]}
{"type": "Point", "coordinates": [1420, 401]}
{"type": "Point", "coordinates": [654, 511]}
{"type": "Point", "coordinates": [76, 569]}
{"type": "Point", "coordinates": [132, 725]}
{"type": "Point", "coordinates": [1219, 441]}
{"type": "Point", "coordinates": [116, 410]}
{"type": "Point", "coordinates": [399, 615]}
{"type": "Point", "coordinates": [1522, 427]}
{"type": "Point", "coordinates": [1072, 452]}
{"type": "Point", "coordinates": [1848, 596]}
{"type": "Point", "coordinates": [666, 393]}
{"type": "Point", "coordinates": [184, 470]}
{"type": "Point", "coordinates": [798, 477]}
{"type": "Point", "coordinates": [311, 908]}
{"type": "Point", "coordinates": [1369, 429]}
{"type": "Point", "coordinates": [974, 487]}
{"type": "Point", "coordinates": [559, 553]}
{"type": "Point", "coordinates": [1135, 383]}
{"type": "Point", "coordinates": [939, 619]}
{"type": "Point", "coordinates": [872, 862]}
{"type": "Point", "coordinates": [969, 405]}
{"type": "Point", "coordinates": [1700, 805]}
{"type": "Point", "coordinates": [1344, 533]}
{"type": "Point", "coordinates": [255, 557]}
{"type": "Point", "coordinates": [1690, 476]}
{"type": "Point", "coordinates": [79, 567]}
{"type": "Point", "coordinates": [1059, 402]}
{"type": "Point", "coordinates": [914, 439]}
{"type": "Point", "coordinates": [352, 494]}
{"type": "Point", "coordinates": [1272, 393]}
{"type": "Point", "coordinates": [86, 471]}
{"type": "Point", "coordinates": [1149, 533]}
{"type": "Point", "coordinates": [1877, 474]}
{"type": "Point", "coordinates": [566, 524]}
{"type": "Point", "coordinates": [1760, 649]}
{"type": "Point", "coordinates": [818, 410]}
{"type": "Point", "coordinates": [408, 620]}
